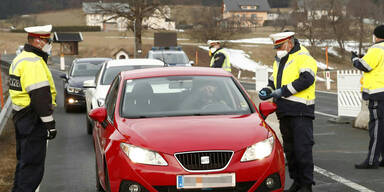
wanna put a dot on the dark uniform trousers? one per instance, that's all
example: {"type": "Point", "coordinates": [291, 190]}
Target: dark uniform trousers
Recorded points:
{"type": "Point", "coordinates": [30, 150]}
{"type": "Point", "coordinates": [376, 131]}
{"type": "Point", "coordinates": [297, 133]}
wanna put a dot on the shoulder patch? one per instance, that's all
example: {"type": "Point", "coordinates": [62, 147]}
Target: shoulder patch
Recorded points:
{"type": "Point", "coordinates": [14, 83]}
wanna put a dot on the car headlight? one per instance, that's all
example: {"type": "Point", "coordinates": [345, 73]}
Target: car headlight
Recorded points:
{"type": "Point", "coordinates": [70, 89]}
{"type": "Point", "coordinates": [143, 156]}
{"type": "Point", "coordinates": [259, 150]}
{"type": "Point", "coordinates": [100, 102]}
{"type": "Point", "coordinates": [74, 89]}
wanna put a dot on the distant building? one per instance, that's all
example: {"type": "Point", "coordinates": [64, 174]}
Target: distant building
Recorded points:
{"type": "Point", "coordinates": [315, 10]}
{"type": "Point", "coordinates": [97, 16]}
{"type": "Point", "coordinates": [246, 13]}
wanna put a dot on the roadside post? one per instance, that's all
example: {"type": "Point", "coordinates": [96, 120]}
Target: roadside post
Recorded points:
{"type": "Point", "coordinates": [62, 62]}
{"type": "Point", "coordinates": [197, 58]}
{"type": "Point", "coordinates": [327, 72]}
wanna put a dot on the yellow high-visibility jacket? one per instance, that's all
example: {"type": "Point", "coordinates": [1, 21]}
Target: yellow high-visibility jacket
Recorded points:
{"type": "Point", "coordinates": [295, 74]}
{"type": "Point", "coordinates": [216, 60]}
{"type": "Point", "coordinates": [373, 66]}
{"type": "Point", "coordinates": [30, 77]}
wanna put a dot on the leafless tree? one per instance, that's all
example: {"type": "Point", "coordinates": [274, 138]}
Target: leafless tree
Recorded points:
{"type": "Point", "coordinates": [209, 24]}
{"type": "Point", "coordinates": [362, 13]}
{"type": "Point", "coordinates": [134, 11]}
{"type": "Point", "coordinates": [305, 19]}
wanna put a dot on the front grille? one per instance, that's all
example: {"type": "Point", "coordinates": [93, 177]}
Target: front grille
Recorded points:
{"type": "Point", "coordinates": [192, 161]}
{"type": "Point", "coordinates": [240, 187]}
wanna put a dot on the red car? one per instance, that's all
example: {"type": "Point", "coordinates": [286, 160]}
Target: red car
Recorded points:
{"type": "Point", "coordinates": [184, 129]}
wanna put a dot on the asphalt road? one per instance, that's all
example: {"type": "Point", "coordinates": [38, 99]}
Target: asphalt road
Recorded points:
{"type": "Point", "coordinates": [70, 157]}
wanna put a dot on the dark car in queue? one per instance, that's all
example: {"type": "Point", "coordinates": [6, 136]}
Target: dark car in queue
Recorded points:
{"type": "Point", "coordinates": [81, 70]}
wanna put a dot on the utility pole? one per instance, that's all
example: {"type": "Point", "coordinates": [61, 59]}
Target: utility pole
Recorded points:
{"type": "Point", "coordinates": [134, 34]}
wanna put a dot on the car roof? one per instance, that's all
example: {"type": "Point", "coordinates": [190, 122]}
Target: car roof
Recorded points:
{"type": "Point", "coordinates": [134, 62]}
{"type": "Point", "coordinates": [167, 51]}
{"type": "Point", "coordinates": [174, 71]}
{"type": "Point", "coordinates": [92, 59]}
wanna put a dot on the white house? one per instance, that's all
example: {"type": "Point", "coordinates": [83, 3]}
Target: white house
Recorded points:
{"type": "Point", "coordinates": [96, 16]}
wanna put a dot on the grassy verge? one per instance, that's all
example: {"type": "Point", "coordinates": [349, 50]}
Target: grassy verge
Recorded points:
{"type": "Point", "coordinates": [8, 156]}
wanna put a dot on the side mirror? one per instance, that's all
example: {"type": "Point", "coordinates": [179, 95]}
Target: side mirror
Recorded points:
{"type": "Point", "coordinates": [64, 76]}
{"type": "Point", "coordinates": [191, 63]}
{"type": "Point", "coordinates": [98, 114]}
{"type": "Point", "coordinates": [266, 108]}
{"type": "Point", "coordinates": [89, 84]}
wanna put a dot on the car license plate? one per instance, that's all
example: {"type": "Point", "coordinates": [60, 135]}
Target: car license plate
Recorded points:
{"type": "Point", "coordinates": [206, 181]}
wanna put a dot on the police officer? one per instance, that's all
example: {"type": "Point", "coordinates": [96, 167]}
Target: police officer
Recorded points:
{"type": "Point", "coordinates": [219, 58]}
{"type": "Point", "coordinates": [373, 90]}
{"type": "Point", "coordinates": [33, 93]}
{"type": "Point", "coordinates": [292, 86]}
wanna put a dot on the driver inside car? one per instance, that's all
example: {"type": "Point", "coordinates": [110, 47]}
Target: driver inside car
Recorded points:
{"type": "Point", "coordinates": [204, 94]}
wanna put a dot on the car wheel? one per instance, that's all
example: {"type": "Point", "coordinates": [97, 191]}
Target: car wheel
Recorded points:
{"type": "Point", "coordinates": [89, 126]}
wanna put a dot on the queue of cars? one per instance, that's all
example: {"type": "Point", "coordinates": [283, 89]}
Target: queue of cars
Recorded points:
{"type": "Point", "coordinates": [97, 88]}
{"type": "Point", "coordinates": [165, 129]}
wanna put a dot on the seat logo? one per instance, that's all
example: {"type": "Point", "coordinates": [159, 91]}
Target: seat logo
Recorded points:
{"type": "Point", "coordinates": [204, 160]}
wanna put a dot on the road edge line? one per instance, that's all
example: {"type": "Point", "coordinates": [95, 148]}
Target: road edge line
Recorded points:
{"type": "Point", "coordinates": [342, 180]}
{"type": "Point", "coordinates": [326, 114]}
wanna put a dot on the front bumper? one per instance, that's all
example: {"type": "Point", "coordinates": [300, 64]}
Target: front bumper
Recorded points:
{"type": "Point", "coordinates": [250, 176]}
{"type": "Point", "coordinates": [75, 99]}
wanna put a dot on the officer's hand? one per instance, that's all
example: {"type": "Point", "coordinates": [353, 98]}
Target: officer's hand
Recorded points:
{"type": "Point", "coordinates": [265, 93]}
{"type": "Point", "coordinates": [354, 55]}
{"type": "Point", "coordinates": [276, 94]}
{"type": "Point", "coordinates": [51, 130]}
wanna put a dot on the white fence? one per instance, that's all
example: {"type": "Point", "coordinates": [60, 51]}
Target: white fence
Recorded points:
{"type": "Point", "coordinates": [261, 76]}
{"type": "Point", "coordinates": [349, 93]}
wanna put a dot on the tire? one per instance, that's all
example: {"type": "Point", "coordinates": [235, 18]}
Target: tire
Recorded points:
{"type": "Point", "coordinates": [89, 126]}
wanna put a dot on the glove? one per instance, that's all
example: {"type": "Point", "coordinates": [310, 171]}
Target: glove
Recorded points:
{"type": "Point", "coordinates": [265, 93]}
{"type": "Point", "coordinates": [276, 94]}
{"type": "Point", "coordinates": [354, 55]}
{"type": "Point", "coordinates": [51, 130]}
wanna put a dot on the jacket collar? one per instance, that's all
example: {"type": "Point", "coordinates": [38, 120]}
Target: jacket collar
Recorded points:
{"type": "Point", "coordinates": [38, 52]}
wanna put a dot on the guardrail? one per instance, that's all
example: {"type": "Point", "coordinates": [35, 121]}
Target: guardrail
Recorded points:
{"type": "Point", "coordinates": [5, 113]}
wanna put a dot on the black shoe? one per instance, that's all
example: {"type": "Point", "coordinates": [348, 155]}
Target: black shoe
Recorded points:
{"type": "Point", "coordinates": [305, 188]}
{"type": "Point", "coordinates": [366, 166]}
{"type": "Point", "coordinates": [381, 164]}
{"type": "Point", "coordinates": [294, 187]}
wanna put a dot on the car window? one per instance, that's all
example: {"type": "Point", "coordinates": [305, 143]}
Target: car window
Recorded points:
{"type": "Point", "coordinates": [110, 100]}
{"type": "Point", "coordinates": [171, 58]}
{"type": "Point", "coordinates": [111, 72]}
{"type": "Point", "coordinates": [182, 96]}
{"type": "Point", "coordinates": [85, 69]}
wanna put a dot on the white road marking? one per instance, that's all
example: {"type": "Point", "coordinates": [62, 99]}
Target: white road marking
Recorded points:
{"type": "Point", "coordinates": [326, 92]}
{"type": "Point", "coordinates": [342, 180]}
{"type": "Point", "coordinates": [324, 134]}
{"type": "Point", "coordinates": [325, 114]}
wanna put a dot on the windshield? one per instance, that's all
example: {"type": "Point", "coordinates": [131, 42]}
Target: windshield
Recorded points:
{"type": "Point", "coordinates": [111, 72]}
{"type": "Point", "coordinates": [182, 96]}
{"type": "Point", "coordinates": [81, 69]}
{"type": "Point", "coordinates": [171, 58]}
